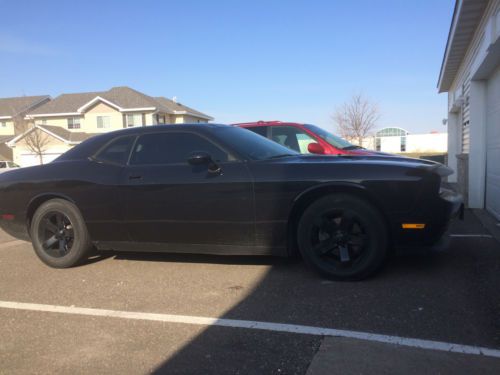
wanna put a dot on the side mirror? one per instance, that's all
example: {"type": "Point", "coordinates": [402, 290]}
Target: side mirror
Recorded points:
{"type": "Point", "coordinates": [315, 148]}
{"type": "Point", "coordinates": [200, 158]}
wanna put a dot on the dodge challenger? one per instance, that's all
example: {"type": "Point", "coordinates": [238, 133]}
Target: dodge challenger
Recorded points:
{"type": "Point", "coordinates": [217, 189]}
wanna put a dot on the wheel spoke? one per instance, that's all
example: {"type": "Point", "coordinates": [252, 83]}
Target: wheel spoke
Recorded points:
{"type": "Point", "coordinates": [346, 223]}
{"type": "Point", "coordinates": [59, 220]}
{"type": "Point", "coordinates": [344, 254]}
{"type": "Point", "coordinates": [62, 246]}
{"type": "Point", "coordinates": [69, 233]}
{"type": "Point", "coordinates": [50, 226]}
{"type": "Point", "coordinates": [51, 241]}
{"type": "Point", "coordinates": [324, 247]}
{"type": "Point", "coordinates": [357, 239]}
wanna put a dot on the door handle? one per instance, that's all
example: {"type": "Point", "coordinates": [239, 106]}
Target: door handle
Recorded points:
{"type": "Point", "coordinates": [134, 177]}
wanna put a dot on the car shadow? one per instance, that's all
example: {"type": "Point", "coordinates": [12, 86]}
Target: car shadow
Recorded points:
{"type": "Point", "coordinates": [413, 295]}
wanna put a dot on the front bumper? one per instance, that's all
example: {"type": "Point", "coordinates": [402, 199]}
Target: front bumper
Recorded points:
{"type": "Point", "coordinates": [437, 215]}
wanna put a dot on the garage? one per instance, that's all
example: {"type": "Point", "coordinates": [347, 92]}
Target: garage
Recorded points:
{"type": "Point", "coordinates": [28, 160]}
{"type": "Point", "coordinates": [492, 199]}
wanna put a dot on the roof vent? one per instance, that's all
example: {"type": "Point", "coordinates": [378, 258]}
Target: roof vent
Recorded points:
{"type": "Point", "coordinates": [174, 99]}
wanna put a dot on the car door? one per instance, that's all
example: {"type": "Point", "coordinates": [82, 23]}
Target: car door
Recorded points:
{"type": "Point", "coordinates": [169, 201]}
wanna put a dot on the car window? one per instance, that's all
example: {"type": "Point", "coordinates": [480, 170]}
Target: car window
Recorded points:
{"type": "Point", "coordinates": [11, 164]}
{"type": "Point", "coordinates": [3, 164]}
{"type": "Point", "coordinates": [173, 147]}
{"type": "Point", "coordinates": [292, 138]}
{"type": "Point", "coordinates": [117, 151]}
{"type": "Point", "coordinates": [260, 130]}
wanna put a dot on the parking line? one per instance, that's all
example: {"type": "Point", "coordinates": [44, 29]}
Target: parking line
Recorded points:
{"type": "Point", "coordinates": [249, 324]}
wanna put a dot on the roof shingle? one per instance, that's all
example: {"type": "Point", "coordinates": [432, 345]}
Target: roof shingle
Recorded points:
{"type": "Point", "coordinates": [122, 96]}
{"type": "Point", "coordinates": [15, 106]}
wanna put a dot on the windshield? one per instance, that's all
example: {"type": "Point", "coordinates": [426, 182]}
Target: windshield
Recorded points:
{"type": "Point", "coordinates": [251, 145]}
{"type": "Point", "coordinates": [330, 138]}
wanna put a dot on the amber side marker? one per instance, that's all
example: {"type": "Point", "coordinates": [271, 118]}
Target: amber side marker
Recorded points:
{"type": "Point", "coordinates": [412, 226]}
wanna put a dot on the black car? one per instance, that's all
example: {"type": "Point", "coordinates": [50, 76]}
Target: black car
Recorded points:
{"type": "Point", "coordinates": [224, 190]}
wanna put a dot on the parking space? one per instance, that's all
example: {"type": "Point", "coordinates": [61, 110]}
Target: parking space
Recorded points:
{"type": "Point", "coordinates": [450, 297]}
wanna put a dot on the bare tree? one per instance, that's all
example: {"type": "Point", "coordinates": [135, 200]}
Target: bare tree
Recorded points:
{"type": "Point", "coordinates": [36, 140]}
{"type": "Point", "coordinates": [356, 118]}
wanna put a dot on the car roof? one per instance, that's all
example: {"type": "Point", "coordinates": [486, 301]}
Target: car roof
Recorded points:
{"type": "Point", "coordinates": [267, 123]}
{"type": "Point", "coordinates": [166, 127]}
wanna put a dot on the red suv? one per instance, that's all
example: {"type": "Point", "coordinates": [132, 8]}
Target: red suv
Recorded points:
{"type": "Point", "coordinates": [305, 138]}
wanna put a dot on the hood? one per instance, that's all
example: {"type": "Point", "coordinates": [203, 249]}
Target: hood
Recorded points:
{"type": "Point", "coordinates": [377, 159]}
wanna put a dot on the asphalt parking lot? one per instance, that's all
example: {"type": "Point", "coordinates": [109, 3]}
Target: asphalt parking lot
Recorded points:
{"type": "Point", "coordinates": [450, 297]}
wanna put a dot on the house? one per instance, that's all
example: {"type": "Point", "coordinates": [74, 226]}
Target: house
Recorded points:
{"type": "Point", "coordinates": [470, 74]}
{"type": "Point", "coordinates": [117, 108]}
{"type": "Point", "coordinates": [68, 119]}
{"type": "Point", "coordinates": [10, 110]}
{"type": "Point", "coordinates": [41, 144]}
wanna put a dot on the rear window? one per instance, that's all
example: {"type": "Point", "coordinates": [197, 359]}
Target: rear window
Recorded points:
{"type": "Point", "coordinates": [117, 151]}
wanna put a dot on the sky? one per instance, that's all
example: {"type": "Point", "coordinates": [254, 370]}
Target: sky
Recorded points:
{"type": "Point", "coordinates": [236, 60]}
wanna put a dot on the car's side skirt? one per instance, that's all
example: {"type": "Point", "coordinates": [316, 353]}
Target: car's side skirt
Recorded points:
{"type": "Point", "coordinates": [213, 249]}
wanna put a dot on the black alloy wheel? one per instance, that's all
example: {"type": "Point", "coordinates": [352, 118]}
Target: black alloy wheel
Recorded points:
{"type": "Point", "coordinates": [339, 237]}
{"type": "Point", "coordinates": [343, 237]}
{"type": "Point", "coordinates": [56, 234]}
{"type": "Point", "coordinates": [59, 234]}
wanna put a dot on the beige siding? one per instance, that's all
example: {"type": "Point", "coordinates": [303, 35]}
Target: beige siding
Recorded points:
{"type": "Point", "coordinates": [193, 120]}
{"type": "Point", "coordinates": [56, 121]}
{"type": "Point", "coordinates": [8, 129]}
{"type": "Point", "coordinates": [89, 124]}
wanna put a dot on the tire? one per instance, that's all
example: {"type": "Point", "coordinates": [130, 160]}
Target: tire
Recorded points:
{"type": "Point", "coordinates": [59, 234]}
{"type": "Point", "coordinates": [342, 237]}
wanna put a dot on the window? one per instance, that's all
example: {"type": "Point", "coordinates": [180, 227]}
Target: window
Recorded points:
{"type": "Point", "coordinates": [73, 123]}
{"type": "Point", "coordinates": [3, 164]}
{"type": "Point", "coordinates": [117, 151]}
{"type": "Point", "coordinates": [171, 147]}
{"type": "Point", "coordinates": [250, 145]}
{"type": "Point", "coordinates": [292, 138]}
{"type": "Point", "coordinates": [335, 141]}
{"type": "Point", "coordinates": [3, 124]}
{"type": "Point", "coordinates": [260, 130]}
{"type": "Point", "coordinates": [11, 164]}
{"type": "Point", "coordinates": [103, 122]}
{"type": "Point", "coordinates": [378, 145]}
{"type": "Point", "coordinates": [134, 119]}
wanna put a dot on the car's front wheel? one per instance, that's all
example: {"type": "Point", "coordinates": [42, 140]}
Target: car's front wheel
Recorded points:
{"type": "Point", "coordinates": [343, 237]}
{"type": "Point", "coordinates": [59, 234]}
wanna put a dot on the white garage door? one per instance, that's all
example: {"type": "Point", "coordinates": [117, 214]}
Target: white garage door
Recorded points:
{"type": "Point", "coordinates": [28, 160]}
{"type": "Point", "coordinates": [493, 145]}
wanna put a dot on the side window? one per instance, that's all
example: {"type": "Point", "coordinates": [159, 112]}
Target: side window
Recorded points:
{"type": "Point", "coordinates": [3, 164]}
{"type": "Point", "coordinates": [260, 130]}
{"type": "Point", "coordinates": [291, 137]}
{"type": "Point", "coordinates": [172, 147]}
{"type": "Point", "coordinates": [117, 151]}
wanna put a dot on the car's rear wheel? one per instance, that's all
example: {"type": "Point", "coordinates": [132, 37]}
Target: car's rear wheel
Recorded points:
{"type": "Point", "coordinates": [59, 234]}
{"type": "Point", "coordinates": [343, 237]}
